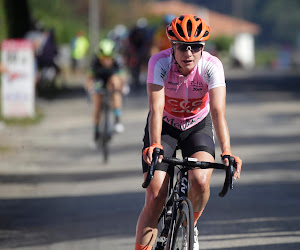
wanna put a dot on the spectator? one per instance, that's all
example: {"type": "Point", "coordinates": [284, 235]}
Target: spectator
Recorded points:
{"type": "Point", "coordinates": [79, 47]}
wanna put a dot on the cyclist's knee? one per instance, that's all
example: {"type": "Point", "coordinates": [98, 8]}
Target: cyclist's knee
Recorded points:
{"type": "Point", "coordinates": [200, 182]}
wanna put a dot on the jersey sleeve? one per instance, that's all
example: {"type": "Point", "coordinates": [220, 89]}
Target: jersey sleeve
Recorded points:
{"type": "Point", "coordinates": [157, 71]}
{"type": "Point", "coordinates": [214, 73]}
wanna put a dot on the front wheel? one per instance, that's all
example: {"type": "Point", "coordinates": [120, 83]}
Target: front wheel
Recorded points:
{"type": "Point", "coordinates": [107, 130]}
{"type": "Point", "coordinates": [183, 237]}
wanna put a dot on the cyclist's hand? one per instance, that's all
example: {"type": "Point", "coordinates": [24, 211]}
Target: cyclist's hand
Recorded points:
{"type": "Point", "coordinates": [89, 85]}
{"type": "Point", "coordinates": [147, 153]}
{"type": "Point", "coordinates": [238, 162]}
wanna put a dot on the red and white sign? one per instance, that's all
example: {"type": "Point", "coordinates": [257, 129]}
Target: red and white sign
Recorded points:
{"type": "Point", "coordinates": [18, 90]}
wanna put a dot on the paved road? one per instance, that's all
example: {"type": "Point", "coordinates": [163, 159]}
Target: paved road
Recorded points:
{"type": "Point", "coordinates": [56, 193]}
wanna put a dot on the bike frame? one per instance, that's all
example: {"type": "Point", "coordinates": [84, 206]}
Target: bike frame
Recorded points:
{"type": "Point", "coordinates": [179, 192]}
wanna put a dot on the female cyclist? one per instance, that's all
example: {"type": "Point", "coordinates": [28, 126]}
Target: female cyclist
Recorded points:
{"type": "Point", "coordinates": [186, 91]}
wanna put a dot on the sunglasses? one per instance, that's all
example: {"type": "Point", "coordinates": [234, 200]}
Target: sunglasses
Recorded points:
{"type": "Point", "coordinates": [194, 48]}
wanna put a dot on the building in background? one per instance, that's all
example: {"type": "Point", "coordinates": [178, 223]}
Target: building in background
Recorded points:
{"type": "Point", "coordinates": [242, 32]}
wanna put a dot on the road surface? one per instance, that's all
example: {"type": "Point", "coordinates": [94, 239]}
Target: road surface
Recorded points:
{"type": "Point", "coordinates": [57, 194]}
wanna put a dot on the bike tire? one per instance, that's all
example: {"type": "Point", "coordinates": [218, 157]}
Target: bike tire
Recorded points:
{"type": "Point", "coordinates": [105, 149]}
{"type": "Point", "coordinates": [184, 222]}
{"type": "Point", "coordinates": [162, 232]}
{"type": "Point", "coordinates": [106, 130]}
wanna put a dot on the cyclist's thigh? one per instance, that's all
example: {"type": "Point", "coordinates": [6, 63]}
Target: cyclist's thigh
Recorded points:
{"type": "Point", "coordinates": [158, 187]}
{"type": "Point", "coordinates": [199, 139]}
{"type": "Point", "coordinates": [115, 82]}
{"type": "Point", "coordinates": [99, 86]}
{"type": "Point", "coordinates": [168, 142]}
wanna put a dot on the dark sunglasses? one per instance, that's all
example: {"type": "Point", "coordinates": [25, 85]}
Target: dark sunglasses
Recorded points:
{"type": "Point", "coordinates": [194, 48]}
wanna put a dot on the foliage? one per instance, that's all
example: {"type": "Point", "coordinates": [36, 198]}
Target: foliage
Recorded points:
{"type": "Point", "coordinates": [60, 15]}
{"type": "Point", "coordinates": [266, 56]}
{"type": "Point", "coordinates": [283, 20]}
{"type": "Point", "coordinates": [26, 121]}
{"type": "Point", "coordinates": [222, 43]}
{"type": "Point", "coordinates": [3, 31]}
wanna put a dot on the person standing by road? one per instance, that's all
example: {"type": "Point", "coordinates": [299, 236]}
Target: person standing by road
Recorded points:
{"type": "Point", "coordinates": [105, 73]}
{"type": "Point", "coordinates": [79, 49]}
{"type": "Point", "coordinates": [186, 91]}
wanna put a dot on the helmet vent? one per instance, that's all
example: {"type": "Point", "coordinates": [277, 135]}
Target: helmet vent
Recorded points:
{"type": "Point", "coordinates": [206, 34]}
{"type": "Point", "coordinates": [199, 29]}
{"type": "Point", "coordinates": [181, 18]}
{"type": "Point", "coordinates": [179, 29]}
{"type": "Point", "coordinates": [171, 33]}
{"type": "Point", "coordinates": [189, 27]}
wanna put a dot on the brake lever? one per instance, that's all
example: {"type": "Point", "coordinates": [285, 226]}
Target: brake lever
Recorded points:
{"type": "Point", "coordinates": [228, 183]}
{"type": "Point", "coordinates": [150, 174]}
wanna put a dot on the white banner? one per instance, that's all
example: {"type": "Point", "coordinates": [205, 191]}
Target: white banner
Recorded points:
{"type": "Point", "coordinates": [18, 90]}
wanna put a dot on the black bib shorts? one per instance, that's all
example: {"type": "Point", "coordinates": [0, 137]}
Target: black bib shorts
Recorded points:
{"type": "Point", "coordinates": [197, 138]}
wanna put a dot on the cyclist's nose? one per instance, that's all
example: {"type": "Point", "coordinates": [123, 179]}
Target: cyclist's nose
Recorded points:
{"type": "Point", "coordinates": [189, 52]}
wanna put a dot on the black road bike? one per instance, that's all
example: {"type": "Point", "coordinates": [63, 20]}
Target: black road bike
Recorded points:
{"type": "Point", "coordinates": [176, 222]}
{"type": "Point", "coordinates": [107, 128]}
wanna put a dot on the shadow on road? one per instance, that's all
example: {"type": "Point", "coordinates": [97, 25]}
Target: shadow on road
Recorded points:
{"type": "Point", "coordinates": [247, 213]}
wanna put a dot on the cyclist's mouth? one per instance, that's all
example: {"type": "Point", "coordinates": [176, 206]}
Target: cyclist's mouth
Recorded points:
{"type": "Point", "coordinates": [187, 61]}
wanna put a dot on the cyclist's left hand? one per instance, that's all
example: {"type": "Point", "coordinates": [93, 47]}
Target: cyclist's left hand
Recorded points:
{"type": "Point", "coordinates": [238, 161]}
{"type": "Point", "coordinates": [147, 153]}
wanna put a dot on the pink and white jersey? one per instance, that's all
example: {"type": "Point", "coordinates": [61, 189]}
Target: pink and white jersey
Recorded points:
{"type": "Point", "coordinates": [186, 97]}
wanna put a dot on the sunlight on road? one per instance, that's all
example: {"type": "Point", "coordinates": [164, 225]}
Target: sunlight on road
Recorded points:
{"type": "Point", "coordinates": [245, 240]}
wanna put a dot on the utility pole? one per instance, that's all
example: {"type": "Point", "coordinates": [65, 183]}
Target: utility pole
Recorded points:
{"type": "Point", "coordinates": [94, 23]}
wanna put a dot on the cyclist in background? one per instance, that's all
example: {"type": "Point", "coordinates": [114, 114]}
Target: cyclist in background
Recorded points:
{"type": "Point", "coordinates": [186, 91]}
{"type": "Point", "coordinates": [138, 51]}
{"type": "Point", "coordinates": [105, 73]}
{"type": "Point", "coordinates": [160, 40]}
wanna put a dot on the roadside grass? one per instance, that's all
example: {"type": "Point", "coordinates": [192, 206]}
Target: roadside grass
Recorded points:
{"type": "Point", "coordinates": [4, 149]}
{"type": "Point", "coordinates": [26, 121]}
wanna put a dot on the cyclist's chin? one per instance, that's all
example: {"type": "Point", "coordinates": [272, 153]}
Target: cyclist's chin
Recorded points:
{"type": "Point", "coordinates": [186, 68]}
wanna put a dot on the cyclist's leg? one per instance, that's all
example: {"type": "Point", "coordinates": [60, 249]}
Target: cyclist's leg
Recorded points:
{"type": "Point", "coordinates": [199, 191]}
{"type": "Point", "coordinates": [146, 231]}
{"type": "Point", "coordinates": [95, 89]}
{"type": "Point", "coordinates": [97, 106]}
{"type": "Point", "coordinates": [199, 143]}
{"type": "Point", "coordinates": [115, 85]}
{"type": "Point", "coordinates": [156, 193]}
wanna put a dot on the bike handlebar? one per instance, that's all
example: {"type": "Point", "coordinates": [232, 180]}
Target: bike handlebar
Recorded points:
{"type": "Point", "coordinates": [192, 163]}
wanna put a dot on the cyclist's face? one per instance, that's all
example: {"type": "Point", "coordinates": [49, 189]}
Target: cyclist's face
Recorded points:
{"type": "Point", "coordinates": [106, 61]}
{"type": "Point", "coordinates": [187, 56]}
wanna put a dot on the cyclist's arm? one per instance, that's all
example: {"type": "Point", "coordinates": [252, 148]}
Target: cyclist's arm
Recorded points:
{"type": "Point", "coordinates": [217, 98]}
{"type": "Point", "coordinates": [156, 100]}
{"type": "Point", "coordinates": [218, 105]}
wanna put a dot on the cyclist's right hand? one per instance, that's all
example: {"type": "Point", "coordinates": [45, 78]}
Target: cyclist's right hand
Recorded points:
{"type": "Point", "coordinates": [238, 163]}
{"type": "Point", "coordinates": [147, 153]}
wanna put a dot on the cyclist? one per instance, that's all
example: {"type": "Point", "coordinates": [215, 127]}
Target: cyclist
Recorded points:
{"type": "Point", "coordinates": [105, 73]}
{"type": "Point", "coordinates": [160, 41]}
{"type": "Point", "coordinates": [186, 91]}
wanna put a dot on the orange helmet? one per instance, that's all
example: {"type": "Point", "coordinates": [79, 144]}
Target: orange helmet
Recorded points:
{"type": "Point", "coordinates": [188, 29]}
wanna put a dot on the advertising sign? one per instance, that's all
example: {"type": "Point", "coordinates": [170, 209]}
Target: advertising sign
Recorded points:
{"type": "Point", "coordinates": [17, 86]}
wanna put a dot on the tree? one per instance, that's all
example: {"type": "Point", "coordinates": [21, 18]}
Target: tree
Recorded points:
{"type": "Point", "coordinates": [17, 18]}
